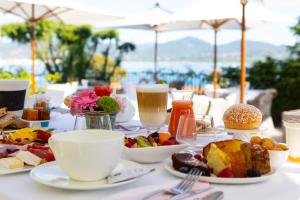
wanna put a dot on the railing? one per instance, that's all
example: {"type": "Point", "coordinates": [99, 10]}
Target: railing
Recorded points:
{"type": "Point", "coordinates": [188, 79]}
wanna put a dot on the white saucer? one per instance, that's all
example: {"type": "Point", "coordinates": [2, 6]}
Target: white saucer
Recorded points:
{"type": "Point", "coordinates": [51, 175]}
{"type": "Point", "coordinates": [214, 179]}
{"type": "Point", "coordinates": [252, 131]}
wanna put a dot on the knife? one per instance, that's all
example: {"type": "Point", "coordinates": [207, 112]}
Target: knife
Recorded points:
{"type": "Point", "coordinates": [189, 194]}
{"type": "Point", "coordinates": [217, 195]}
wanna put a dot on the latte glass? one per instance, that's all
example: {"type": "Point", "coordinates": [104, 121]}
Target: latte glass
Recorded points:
{"type": "Point", "coordinates": [152, 103]}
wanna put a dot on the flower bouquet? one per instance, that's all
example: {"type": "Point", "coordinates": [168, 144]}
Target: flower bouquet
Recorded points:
{"type": "Point", "coordinates": [98, 107]}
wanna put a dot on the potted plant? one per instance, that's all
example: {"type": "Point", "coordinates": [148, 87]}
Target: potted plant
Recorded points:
{"type": "Point", "coordinates": [94, 105]}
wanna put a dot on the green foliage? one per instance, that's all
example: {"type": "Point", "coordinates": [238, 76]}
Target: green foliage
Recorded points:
{"type": "Point", "coordinates": [53, 78]}
{"type": "Point", "coordinates": [284, 76]}
{"type": "Point", "coordinates": [16, 73]}
{"type": "Point", "coordinates": [69, 50]}
{"type": "Point", "coordinates": [264, 74]}
{"type": "Point", "coordinates": [108, 104]}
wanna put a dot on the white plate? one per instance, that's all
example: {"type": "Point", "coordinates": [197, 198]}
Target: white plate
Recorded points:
{"type": "Point", "coordinates": [251, 131]}
{"type": "Point", "coordinates": [42, 173]}
{"type": "Point", "coordinates": [221, 133]}
{"type": "Point", "coordinates": [153, 154]}
{"type": "Point", "coordinates": [213, 179]}
{"type": "Point", "coordinates": [4, 171]}
{"type": "Point", "coordinates": [53, 116]}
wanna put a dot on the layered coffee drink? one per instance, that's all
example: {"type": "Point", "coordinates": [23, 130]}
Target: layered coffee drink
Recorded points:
{"type": "Point", "coordinates": [152, 103]}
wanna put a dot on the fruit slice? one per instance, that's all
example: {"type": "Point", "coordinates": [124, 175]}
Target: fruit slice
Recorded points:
{"type": "Point", "coordinates": [226, 173]}
{"type": "Point", "coordinates": [142, 141]}
{"type": "Point", "coordinates": [217, 159]}
{"type": "Point", "coordinates": [162, 137]}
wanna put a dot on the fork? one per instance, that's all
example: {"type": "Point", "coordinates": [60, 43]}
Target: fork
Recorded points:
{"type": "Point", "coordinates": [184, 186]}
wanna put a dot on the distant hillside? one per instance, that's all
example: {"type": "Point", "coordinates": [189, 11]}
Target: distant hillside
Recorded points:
{"type": "Point", "coordinates": [193, 49]}
{"type": "Point", "coordinates": [185, 49]}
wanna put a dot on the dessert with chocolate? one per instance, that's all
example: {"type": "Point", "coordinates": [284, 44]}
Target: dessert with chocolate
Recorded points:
{"type": "Point", "coordinates": [184, 162]}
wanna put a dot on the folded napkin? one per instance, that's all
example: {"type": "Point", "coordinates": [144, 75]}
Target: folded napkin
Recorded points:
{"type": "Point", "coordinates": [164, 196]}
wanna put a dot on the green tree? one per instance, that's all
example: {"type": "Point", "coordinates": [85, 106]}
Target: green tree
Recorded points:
{"type": "Point", "coordinates": [69, 50]}
{"type": "Point", "coordinates": [283, 75]}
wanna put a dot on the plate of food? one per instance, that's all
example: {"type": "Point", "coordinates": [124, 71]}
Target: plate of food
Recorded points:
{"type": "Point", "coordinates": [154, 148]}
{"type": "Point", "coordinates": [225, 162]}
{"type": "Point", "coordinates": [23, 149]}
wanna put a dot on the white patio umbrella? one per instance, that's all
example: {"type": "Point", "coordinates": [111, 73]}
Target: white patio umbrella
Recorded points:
{"type": "Point", "coordinates": [57, 10]}
{"type": "Point", "coordinates": [221, 14]}
{"type": "Point", "coordinates": [146, 20]}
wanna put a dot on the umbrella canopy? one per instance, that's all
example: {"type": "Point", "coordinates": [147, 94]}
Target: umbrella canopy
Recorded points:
{"type": "Point", "coordinates": [57, 10]}
{"type": "Point", "coordinates": [220, 14]}
{"type": "Point", "coordinates": [150, 19]}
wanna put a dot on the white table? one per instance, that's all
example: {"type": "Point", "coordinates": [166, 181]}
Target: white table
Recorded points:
{"type": "Point", "coordinates": [284, 186]}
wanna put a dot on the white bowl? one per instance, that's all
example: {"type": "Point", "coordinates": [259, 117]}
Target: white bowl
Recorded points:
{"type": "Point", "coordinates": [152, 154]}
{"type": "Point", "coordinates": [87, 155]}
{"type": "Point", "coordinates": [278, 158]}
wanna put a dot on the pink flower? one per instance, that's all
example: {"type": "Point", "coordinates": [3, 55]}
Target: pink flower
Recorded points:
{"type": "Point", "coordinates": [85, 99]}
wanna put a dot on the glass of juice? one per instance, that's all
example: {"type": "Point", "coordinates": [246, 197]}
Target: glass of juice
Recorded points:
{"type": "Point", "coordinates": [152, 102]}
{"type": "Point", "coordinates": [292, 133]}
{"type": "Point", "coordinates": [182, 104]}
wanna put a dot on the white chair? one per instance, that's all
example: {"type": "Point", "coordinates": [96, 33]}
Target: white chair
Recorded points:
{"type": "Point", "coordinates": [201, 104]}
{"type": "Point", "coordinates": [217, 109]}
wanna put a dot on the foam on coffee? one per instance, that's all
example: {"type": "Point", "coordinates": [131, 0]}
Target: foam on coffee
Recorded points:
{"type": "Point", "coordinates": [153, 88]}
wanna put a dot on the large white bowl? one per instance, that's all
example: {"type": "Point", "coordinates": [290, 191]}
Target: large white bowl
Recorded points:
{"type": "Point", "coordinates": [87, 155]}
{"type": "Point", "coordinates": [152, 154]}
{"type": "Point", "coordinates": [278, 158]}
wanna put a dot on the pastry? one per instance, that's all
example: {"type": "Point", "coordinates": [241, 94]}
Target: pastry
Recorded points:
{"type": "Point", "coordinates": [28, 158]}
{"type": "Point", "coordinates": [186, 161]}
{"type": "Point", "coordinates": [30, 114]}
{"type": "Point", "coordinates": [11, 163]}
{"type": "Point", "coordinates": [3, 111]}
{"type": "Point", "coordinates": [257, 158]}
{"type": "Point", "coordinates": [7, 119]}
{"type": "Point", "coordinates": [242, 117]}
{"type": "Point", "coordinates": [18, 124]}
{"type": "Point", "coordinates": [44, 114]}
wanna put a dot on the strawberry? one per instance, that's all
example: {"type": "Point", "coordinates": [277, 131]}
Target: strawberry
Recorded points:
{"type": "Point", "coordinates": [102, 90]}
{"type": "Point", "coordinates": [198, 157]}
{"type": "Point", "coordinates": [43, 135]}
{"type": "Point", "coordinates": [226, 173]}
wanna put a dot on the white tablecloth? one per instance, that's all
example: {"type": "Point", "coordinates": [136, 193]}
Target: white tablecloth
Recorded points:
{"type": "Point", "coordinates": [285, 185]}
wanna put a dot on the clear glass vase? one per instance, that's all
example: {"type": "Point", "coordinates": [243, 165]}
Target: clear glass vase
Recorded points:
{"type": "Point", "coordinates": [98, 120]}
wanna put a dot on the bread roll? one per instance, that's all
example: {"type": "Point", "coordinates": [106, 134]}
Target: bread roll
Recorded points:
{"type": "Point", "coordinates": [242, 117]}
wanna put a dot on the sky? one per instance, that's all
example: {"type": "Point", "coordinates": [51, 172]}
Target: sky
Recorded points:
{"type": "Point", "coordinates": [273, 33]}
{"type": "Point", "coordinates": [278, 34]}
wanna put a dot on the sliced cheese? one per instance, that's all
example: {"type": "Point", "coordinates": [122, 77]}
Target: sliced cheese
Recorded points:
{"type": "Point", "coordinates": [11, 163]}
{"type": "Point", "coordinates": [29, 158]}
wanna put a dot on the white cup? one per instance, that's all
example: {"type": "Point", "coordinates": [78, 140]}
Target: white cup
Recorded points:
{"type": "Point", "coordinates": [87, 155]}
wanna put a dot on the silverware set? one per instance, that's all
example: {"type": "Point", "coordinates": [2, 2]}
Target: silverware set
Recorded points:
{"type": "Point", "coordinates": [183, 189]}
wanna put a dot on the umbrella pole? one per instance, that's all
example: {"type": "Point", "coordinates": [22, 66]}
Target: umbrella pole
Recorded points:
{"type": "Point", "coordinates": [32, 49]}
{"type": "Point", "coordinates": [32, 59]}
{"type": "Point", "coordinates": [155, 57]}
{"type": "Point", "coordinates": [215, 72]}
{"type": "Point", "coordinates": [243, 55]}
